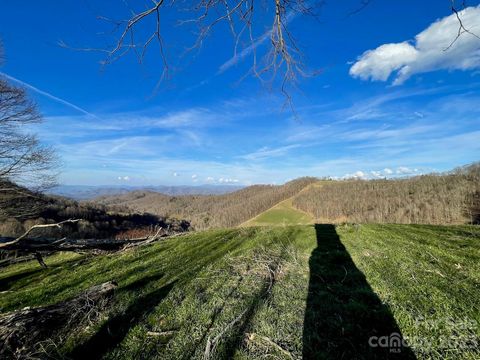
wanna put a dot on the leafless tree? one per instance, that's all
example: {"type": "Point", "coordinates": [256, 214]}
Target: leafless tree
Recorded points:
{"type": "Point", "coordinates": [447, 198]}
{"type": "Point", "coordinates": [22, 158]}
{"type": "Point", "coordinates": [280, 65]}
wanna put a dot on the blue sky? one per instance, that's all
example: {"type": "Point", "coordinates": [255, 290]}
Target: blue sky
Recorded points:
{"type": "Point", "coordinates": [388, 100]}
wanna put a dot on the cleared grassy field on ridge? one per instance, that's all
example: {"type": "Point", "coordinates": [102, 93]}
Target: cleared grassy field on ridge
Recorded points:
{"type": "Point", "coordinates": [284, 213]}
{"type": "Point", "coordinates": [260, 292]}
{"type": "Point", "coordinates": [281, 214]}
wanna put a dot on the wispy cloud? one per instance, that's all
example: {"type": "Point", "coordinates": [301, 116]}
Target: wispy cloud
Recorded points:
{"type": "Point", "coordinates": [384, 132]}
{"type": "Point", "coordinates": [221, 142]}
{"type": "Point", "coordinates": [235, 59]}
{"type": "Point", "coordinates": [305, 133]}
{"type": "Point", "coordinates": [266, 152]}
{"type": "Point", "coordinates": [187, 120]}
{"type": "Point", "coordinates": [48, 95]}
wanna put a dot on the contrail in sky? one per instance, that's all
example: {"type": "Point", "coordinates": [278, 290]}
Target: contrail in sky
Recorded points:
{"type": "Point", "coordinates": [48, 95]}
{"type": "Point", "coordinates": [249, 49]}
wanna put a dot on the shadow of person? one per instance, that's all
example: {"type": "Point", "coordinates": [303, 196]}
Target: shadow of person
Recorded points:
{"type": "Point", "coordinates": [344, 318]}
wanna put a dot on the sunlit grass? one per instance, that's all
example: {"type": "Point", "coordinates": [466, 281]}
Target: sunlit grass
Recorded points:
{"type": "Point", "coordinates": [191, 289]}
{"type": "Point", "coordinates": [282, 214]}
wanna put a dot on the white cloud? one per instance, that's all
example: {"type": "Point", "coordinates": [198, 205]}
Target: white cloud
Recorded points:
{"type": "Point", "coordinates": [359, 174]}
{"type": "Point", "coordinates": [124, 178]}
{"type": "Point", "coordinates": [356, 175]}
{"type": "Point", "coordinates": [210, 179]}
{"type": "Point", "coordinates": [403, 170]}
{"type": "Point", "coordinates": [186, 118]}
{"type": "Point", "coordinates": [363, 134]}
{"type": "Point", "coordinates": [307, 133]}
{"type": "Point", "coordinates": [194, 176]}
{"type": "Point", "coordinates": [380, 174]}
{"type": "Point", "coordinates": [427, 53]}
{"type": "Point", "coordinates": [227, 180]}
{"type": "Point", "coordinates": [175, 174]}
{"type": "Point", "coordinates": [378, 64]}
{"type": "Point", "coordinates": [266, 152]}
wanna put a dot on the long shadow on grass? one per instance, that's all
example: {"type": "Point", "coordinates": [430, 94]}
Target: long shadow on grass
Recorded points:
{"type": "Point", "coordinates": [34, 274]}
{"type": "Point", "coordinates": [190, 352]}
{"type": "Point", "coordinates": [114, 330]}
{"type": "Point", "coordinates": [233, 342]}
{"type": "Point", "coordinates": [344, 317]}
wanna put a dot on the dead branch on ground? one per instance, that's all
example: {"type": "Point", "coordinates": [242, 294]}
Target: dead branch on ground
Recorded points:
{"type": "Point", "coordinates": [29, 249]}
{"type": "Point", "coordinates": [23, 331]}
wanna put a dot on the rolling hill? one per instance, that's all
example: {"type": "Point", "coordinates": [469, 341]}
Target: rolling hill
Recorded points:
{"type": "Point", "coordinates": [444, 198]}
{"type": "Point", "coordinates": [210, 211]}
{"type": "Point", "coordinates": [85, 192]}
{"type": "Point", "coordinates": [284, 213]}
{"type": "Point", "coordinates": [21, 208]}
{"type": "Point", "coordinates": [272, 281]}
{"type": "Point", "coordinates": [318, 291]}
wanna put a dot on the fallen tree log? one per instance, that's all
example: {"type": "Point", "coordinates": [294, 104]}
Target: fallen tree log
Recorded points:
{"type": "Point", "coordinates": [34, 245]}
{"type": "Point", "coordinates": [22, 332]}
{"type": "Point", "coordinates": [35, 248]}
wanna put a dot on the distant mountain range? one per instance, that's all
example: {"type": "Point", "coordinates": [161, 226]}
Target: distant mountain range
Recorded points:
{"type": "Point", "coordinates": [86, 192]}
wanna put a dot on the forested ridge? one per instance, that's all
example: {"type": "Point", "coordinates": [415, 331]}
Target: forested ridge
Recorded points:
{"type": "Point", "coordinates": [447, 198]}
{"type": "Point", "coordinates": [21, 208]}
{"type": "Point", "coordinates": [211, 211]}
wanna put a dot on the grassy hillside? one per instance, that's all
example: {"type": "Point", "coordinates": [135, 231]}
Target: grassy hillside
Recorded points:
{"type": "Point", "coordinates": [211, 211]}
{"type": "Point", "coordinates": [281, 214]}
{"type": "Point", "coordinates": [284, 213]}
{"type": "Point", "coordinates": [260, 292]}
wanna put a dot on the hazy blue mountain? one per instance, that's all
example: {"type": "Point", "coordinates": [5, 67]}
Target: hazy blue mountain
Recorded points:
{"type": "Point", "coordinates": [86, 192]}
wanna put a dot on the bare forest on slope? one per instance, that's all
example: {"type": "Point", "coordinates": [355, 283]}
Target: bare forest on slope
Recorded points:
{"type": "Point", "coordinates": [211, 211]}
{"type": "Point", "coordinates": [21, 209]}
{"type": "Point", "coordinates": [451, 198]}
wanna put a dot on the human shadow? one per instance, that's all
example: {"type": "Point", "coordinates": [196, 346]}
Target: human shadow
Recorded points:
{"type": "Point", "coordinates": [115, 329]}
{"type": "Point", "coordinates": [344, 318]}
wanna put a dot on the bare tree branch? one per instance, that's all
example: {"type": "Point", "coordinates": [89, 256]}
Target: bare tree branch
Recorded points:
{"type": "Point", "coordinates": [363, 5]}
{"type": "Point", "coordinates": [22, 157]}
{"type": "Point", "coordinates": [281, 65]}
{"type": "Point", "coordinates": [461, 27]}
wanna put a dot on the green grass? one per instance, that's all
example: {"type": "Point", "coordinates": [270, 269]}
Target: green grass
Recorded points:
{"type": "Point", "coordinates": [282, 214]}
{"type": "Point", "coordinates": [294, 291]}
